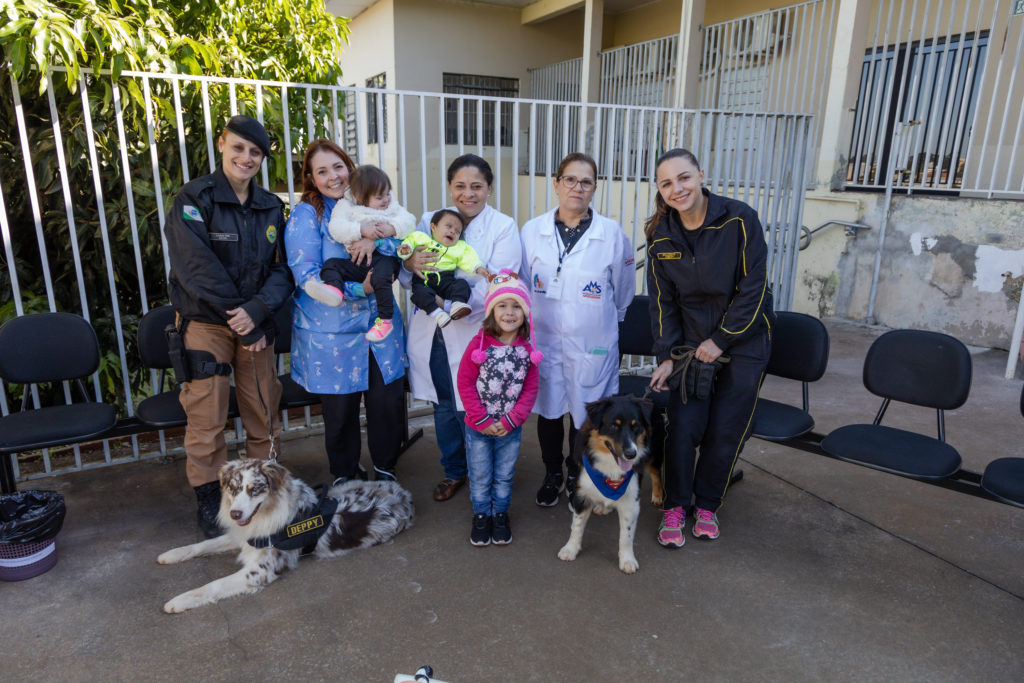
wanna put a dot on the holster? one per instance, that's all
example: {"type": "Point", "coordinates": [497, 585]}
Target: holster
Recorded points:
{"type": "Point", "coordinates": [190, 364]}
{"type": "Point", "coordinates": [696, 377]}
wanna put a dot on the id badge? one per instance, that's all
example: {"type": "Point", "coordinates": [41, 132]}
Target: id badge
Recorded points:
{"type": "Point", "coordinates": [555, 287]}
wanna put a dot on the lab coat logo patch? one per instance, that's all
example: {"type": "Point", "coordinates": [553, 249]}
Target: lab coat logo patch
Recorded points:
{"type": "Point", "coordinates": [538, 286]}
{"type": "Point", "coordinates": [191, 213]}
{"type": "Point", "coordinates": [271, 234]}
{"type": "Point", "coordinates": [591, 290]}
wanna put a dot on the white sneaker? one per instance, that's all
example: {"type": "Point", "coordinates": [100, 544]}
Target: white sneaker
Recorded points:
{"type": "Point", "coordinates": [460, 310]}
{"type": "Point", "coordinates": [441, 318]}
{"type": "Point", "coordinates": [325, 294]}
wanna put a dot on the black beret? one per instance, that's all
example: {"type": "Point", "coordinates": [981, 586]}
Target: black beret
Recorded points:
{"type": "Point", "coordinates": [250, 129]}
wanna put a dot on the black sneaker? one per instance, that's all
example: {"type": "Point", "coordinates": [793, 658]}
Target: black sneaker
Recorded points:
{"type": "Point", "coordinates": [547, 494]}
{"type": "Point", "coordinates": [384, 475]}
{"type": "Point", "coordinates": [208, 497]}
{"type": "Point", "coordinates": [501, 532]}
{"type": "Point", "coordinates": [481, 533]}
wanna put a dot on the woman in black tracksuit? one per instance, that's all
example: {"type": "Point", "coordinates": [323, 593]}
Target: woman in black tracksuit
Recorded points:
{"type": "Point", "coordinates": [708, 284]}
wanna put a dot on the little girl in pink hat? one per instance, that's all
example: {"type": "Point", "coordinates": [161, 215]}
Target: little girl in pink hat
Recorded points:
{"type": "Point", "coordinates": [497, 381]}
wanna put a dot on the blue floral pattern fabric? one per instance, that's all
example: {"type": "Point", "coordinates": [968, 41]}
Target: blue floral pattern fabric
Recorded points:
{"type": "Point", "coordinates": [329, 349]}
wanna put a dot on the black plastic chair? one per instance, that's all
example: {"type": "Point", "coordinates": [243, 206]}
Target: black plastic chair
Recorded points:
{"type": "Point", "coordinates": [920, 368]}
{"type": "Point", "coordinates": [293, 395]}
{"type": "Point", "coordinates": [1004, 478]}
{"type": "Point", "coordinates": [48, 347]}
{"type": "Point", "coordinates": [163, 409]}
{"type": "Point", "coordinates": [799, 352]}
{"type": "Point", "coordinates": [637, 339]}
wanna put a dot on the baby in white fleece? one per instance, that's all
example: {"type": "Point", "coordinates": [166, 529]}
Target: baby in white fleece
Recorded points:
{"type": "Point", "coordinates": [368, 202]}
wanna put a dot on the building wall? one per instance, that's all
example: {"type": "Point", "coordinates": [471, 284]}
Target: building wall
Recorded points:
{"type": "Point", "coordinates": [371, 48]}
{"type": "Point", "coordinates": [437, 36]}
{"type": "Point", "coordinates": [650, 21]}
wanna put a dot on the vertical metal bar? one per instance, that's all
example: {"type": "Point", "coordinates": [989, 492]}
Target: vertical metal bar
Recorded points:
{"type": "Point", "coordinates": [403, 170]}
{"type": "Point", "coordinates": [58, 145]}
{"type": "Point", "coordinates": [336, 127]}
{"type": "Point", "coordinates": [130, 194]}
{"type": "Point", "coordinates": [378, 114]}
{"type": "Point", "coordinates": [983, 138]}
{"type": "Point", "coordinates": [442, 171]}
{"type": "Point", "coordinates": [515, 161]}
{"type": "Point", "coordinates": [209, 127]}
{"type": "Point", "coordinates": [972, 78]}
{"type": "Point", "coordinates": [1012, 87]}
{"type": "Point", "coordinates": [625, 158]}
{"type": "Point", "coordinates": [549, 127]}
{"type": "Point", "coordinates": [460, 107]}
{"type": "Point", "coordinates": [423, 151]}
{"type": "Point", "coordinates": [532, 146]}
{"type": "Point", "coordinates": [232, 97]}
{"type": "Point", "coordinates": [265, 164]}
{"type": "Point", "coordinates": [951, 98]}
{"type": "Point", "coordinates": [154, 159]}
{"type": "Point", "coordinates": [33, 193]}
{"type": "Point", "coordinates": [286, 124]}
{"type": "Point", "coordinates": [931, 68]}
{"type": "Point", "coordinates": [497, 153]}
{"type": "Point", "coordinates": [12, 271]}
{"type": "Point", "coordinates": [310, 124]}
{"type": "Point", "coordinates": [105, 238]}
{"type": "Point", "coordinates": [180, 126]}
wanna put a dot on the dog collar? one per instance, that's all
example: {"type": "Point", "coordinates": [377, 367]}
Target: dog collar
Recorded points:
{"type": "Point", "coordinates": [305, 529]}
{"type": "Point", "coordinates": [612, 489]}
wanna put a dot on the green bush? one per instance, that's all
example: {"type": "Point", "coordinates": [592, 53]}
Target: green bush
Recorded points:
{"type": "Point", "coordinates": [278, 40]}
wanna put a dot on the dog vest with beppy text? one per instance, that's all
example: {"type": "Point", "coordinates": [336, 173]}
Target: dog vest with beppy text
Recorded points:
{"type": "Point", "coordinates": [305, 529]}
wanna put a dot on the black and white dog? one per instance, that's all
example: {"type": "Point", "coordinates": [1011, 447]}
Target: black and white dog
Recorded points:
{"type": "Point", "coordinates": [272, 518]}
{"type": "Point", "coordinates": [612, 449]}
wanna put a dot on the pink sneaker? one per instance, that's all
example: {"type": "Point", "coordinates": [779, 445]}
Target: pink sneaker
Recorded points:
{"type": "Point", "coordinates": [325, 294]}
{"type": "Point", "coordinates": [705, 524]}
{"type": "Point", "coordinates": [670, 531]}
{"type": "Point", "coordinates": [380, 330]}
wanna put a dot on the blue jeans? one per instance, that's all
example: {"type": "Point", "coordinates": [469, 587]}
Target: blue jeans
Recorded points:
{"type": "Point", "coordinates": [449, 423]}
{"type": "Point", "coordinates": [492, 466]}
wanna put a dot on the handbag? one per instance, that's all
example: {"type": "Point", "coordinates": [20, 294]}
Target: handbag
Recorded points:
{"type": "Point", "coordinates": [695, 377]}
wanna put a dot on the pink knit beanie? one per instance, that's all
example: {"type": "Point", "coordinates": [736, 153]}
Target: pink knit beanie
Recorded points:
{"type": "Point", "coordinates": [504, 285]}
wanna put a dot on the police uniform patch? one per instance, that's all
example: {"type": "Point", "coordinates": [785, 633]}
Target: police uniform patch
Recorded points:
{"type": "Point", "coordinates": [271, 234]}
{"type": "Point", "coordinates": [670, 255]}
{"type": "Point", "coordinates": [191, 213]}
{"type": "Point", "coordinates": [308, 524]}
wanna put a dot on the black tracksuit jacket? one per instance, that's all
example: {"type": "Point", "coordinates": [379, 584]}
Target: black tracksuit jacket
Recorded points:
{"type": "Point", "coordinates": [227, 255]}
{"type": "Point", "coordinates": [719, 290]}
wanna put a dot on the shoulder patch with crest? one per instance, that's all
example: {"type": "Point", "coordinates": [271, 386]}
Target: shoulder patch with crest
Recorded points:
{"type": "Point", "coordinates": [271, 234]}
{"type": "Point", "coordinates": [191, 213]}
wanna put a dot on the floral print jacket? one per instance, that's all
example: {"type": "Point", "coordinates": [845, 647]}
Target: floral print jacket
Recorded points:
{"type": "Point", "coordinates": [497, 382]}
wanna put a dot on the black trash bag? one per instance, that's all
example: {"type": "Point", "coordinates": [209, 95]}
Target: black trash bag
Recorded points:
{"type": "Point", "coordinates": [31, 516]}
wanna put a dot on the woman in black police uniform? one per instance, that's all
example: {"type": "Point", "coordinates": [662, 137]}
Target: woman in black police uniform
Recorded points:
{"type": "Point", "coordinates": [228, 276]}
{"type": "Point", "coordinates": [707, 279]}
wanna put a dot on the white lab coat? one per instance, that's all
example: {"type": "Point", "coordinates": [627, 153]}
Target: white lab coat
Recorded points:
{"type": "Point", "coordinates": [577, 328]}
{"type": "Point", "coordinates": [495, 237]}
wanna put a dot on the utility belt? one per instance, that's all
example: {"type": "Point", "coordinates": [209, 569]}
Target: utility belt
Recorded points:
{"type": "Point", "coordinates": [190, 364]}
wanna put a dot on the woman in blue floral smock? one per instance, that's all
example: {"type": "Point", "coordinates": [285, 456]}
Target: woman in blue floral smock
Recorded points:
{"type": "Point", "coordinates": [330, 355]}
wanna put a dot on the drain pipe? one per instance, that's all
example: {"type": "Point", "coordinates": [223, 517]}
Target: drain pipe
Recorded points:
{"type": "Point", "coordinates": [1018, 332]}
{"type": "Point", "coordinates": [901, 143]}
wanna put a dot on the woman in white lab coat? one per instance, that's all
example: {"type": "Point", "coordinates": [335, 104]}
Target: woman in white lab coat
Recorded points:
{"type": "Point", "coordinates": [580, 268]}
{"type": "Point", "coordinates": [435, 352]}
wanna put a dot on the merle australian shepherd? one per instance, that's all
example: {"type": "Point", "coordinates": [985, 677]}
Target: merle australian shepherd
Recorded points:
{"type": "Point", "coordinates": [613, 447]}
{"type": "Point", "coordinates": [272, 518]}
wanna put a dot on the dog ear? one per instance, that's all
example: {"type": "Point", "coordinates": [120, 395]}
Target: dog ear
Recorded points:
{"type": "Point", "coordinates": [226, 470]}
{"type": "Point", "coordinates": [646, 411]}
{"type": "Point", "coordinates": [275, 474]}
{"type": "Point", "coordinates": [595, 410]}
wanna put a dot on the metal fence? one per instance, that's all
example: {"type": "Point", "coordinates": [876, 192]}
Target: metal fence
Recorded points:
{"type": "Point", "coordinates": [86, 178]}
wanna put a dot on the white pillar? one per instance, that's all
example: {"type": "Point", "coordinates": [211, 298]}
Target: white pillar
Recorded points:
{"type": "Point", "coordinates": [852, 22]}
{"type": "Point", "coordinates": [590, 70]}
{"type": "Point", "coordinates": [687, 90]}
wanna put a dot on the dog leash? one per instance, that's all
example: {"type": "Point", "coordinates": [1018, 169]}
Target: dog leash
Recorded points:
{"type": "Point", "coordinates": [272, 456]}
{"type": "Point", "coordinates": [682, 357]}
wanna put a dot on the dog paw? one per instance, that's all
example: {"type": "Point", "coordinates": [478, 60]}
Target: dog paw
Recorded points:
{"type": "Point", "coordinates": [171, 557]}
{"type": "Point", "coordinates": [568, 553]}
{"type": "Point", "coordinates": [178, 605]}
{"type": "Point", "coordinates": [657, 501]}
{"type": "Point", "coordinates": [629, 565]}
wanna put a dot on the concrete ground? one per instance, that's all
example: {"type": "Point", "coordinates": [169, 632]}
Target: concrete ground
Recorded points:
{"type": "Point", "coordinates": [824, 571]}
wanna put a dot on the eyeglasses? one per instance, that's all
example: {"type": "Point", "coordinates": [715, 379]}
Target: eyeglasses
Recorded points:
{"type": "Point", "coordinates": [571, 181]}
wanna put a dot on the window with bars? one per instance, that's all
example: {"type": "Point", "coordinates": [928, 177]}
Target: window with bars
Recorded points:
{"type": "Point", "coordinates": [372, 134]}
{"type": "Point", "coordinates": [485, 86]}
{"type": "Point", "coordinates": [917, 101]}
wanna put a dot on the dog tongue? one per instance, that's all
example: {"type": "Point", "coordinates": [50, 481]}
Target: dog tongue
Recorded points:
{"type": "Point", "coordinates": [625, 465]}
